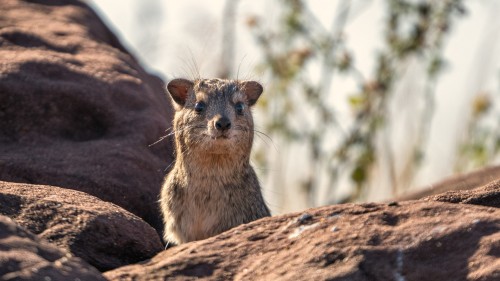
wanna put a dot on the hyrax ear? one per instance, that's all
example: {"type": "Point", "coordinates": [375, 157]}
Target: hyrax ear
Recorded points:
{"type": "Point", "coordinates": [179, 90]}
{"type": "Point", "coordinates": [252, 90]}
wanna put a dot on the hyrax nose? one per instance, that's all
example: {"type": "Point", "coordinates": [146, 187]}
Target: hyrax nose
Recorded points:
{"type": "Point", "coordinates": [222, 124]}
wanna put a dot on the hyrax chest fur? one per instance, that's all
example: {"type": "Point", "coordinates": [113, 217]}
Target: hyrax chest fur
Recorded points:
{"type": "Point", "coordinates": [212, 186]}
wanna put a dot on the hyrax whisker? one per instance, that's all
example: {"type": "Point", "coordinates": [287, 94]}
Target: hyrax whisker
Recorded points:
{"type": "Point", "coordinates": [159, 140]}
{"type": "Point", "coordinates": [173, 132]}
{"type": "Point", "coordinates": [260, 134]}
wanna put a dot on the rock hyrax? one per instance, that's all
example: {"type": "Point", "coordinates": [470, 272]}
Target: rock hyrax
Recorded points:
{"type": "Point", "coordinates": [212, 186]}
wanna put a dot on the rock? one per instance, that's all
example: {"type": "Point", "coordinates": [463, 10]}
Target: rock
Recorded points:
{"type": "Point", "coordinates": [25, 257]}
{"type": "Point", "coordinates": [78, 111]}
{"type": "Point", "coordinates": [101, 233]}
{"type": "Point", "coordinates": [488, 195]}
{"type": "Point", "coordinates": [465, 181]}
{"type": "Point", "coordinates": [413, 240]}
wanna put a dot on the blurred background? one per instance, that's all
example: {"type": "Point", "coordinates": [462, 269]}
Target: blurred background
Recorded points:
{"type": "Point", "coordinates": [364, 100]}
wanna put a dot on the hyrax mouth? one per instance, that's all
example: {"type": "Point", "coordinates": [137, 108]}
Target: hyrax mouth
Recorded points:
{"type": "Point", "coordinates": [218, 136]}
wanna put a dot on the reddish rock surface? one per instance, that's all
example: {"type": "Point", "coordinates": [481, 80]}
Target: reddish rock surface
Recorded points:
{"type": "Point", "coordinates": [457, 182]}
{"type": "Point", "coordinates": [101, 233]}
{"type": "Point", "coordinates": [25, 257]}
{"type": "Point", "coordinates": [414, 240]}
{"type": "Point", "coordinates": [488, 195]}
{"type": "Point", "coordinates": [78, 111]}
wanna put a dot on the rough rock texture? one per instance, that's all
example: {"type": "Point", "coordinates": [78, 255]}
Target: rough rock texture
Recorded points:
{"type": "Point", "coordinates": [488, 195]}
{"type": "Point", "coordinates": [76, 110]}
{"type": "Point", "coordinates": [465, 181]}
{"type": "Point", "coordinates": [101, 233]}
{"type": "Point", "coordinates": [25, 257]}
{"type": "Point", "coordinates": [414, 240]}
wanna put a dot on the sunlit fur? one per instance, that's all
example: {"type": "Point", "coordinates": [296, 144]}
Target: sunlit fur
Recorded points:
{"type": "Point", "coordinates": [212, 186]}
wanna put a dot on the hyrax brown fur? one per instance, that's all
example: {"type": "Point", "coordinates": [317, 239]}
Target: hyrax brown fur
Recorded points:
{"type": "Point", "coordinates": [212, 186]}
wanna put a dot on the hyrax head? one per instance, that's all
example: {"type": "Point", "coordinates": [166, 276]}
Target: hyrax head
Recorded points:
{"type": "Point", "coordinates": [213, 115]}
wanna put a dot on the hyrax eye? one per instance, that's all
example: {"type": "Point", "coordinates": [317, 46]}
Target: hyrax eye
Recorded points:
{"type": "Point", "coordinates": [199, 107]}
{"type": "Point", "coordinates": [239, 107]}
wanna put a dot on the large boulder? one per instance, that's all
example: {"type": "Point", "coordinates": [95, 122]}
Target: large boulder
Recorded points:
{"type": "Point", "coordinates": [78, 111]}
{"type": "Point", "coordinates": [23, 256]}
{"type": "Point", "coordinates": [101, 233]}
{"type": "Point", "coordinates": [414, 240]}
